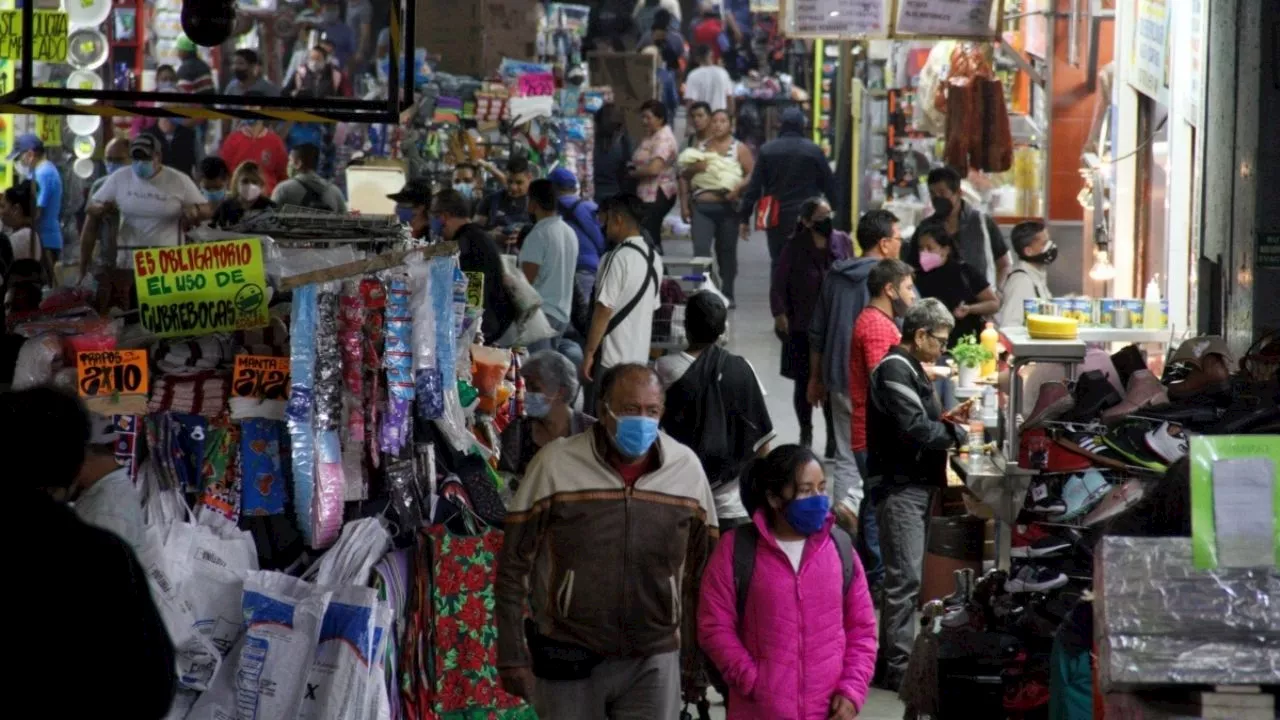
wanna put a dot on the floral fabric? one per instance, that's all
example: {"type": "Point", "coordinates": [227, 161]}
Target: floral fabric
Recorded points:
{"type": "Point", "coordinates": [661, 144]}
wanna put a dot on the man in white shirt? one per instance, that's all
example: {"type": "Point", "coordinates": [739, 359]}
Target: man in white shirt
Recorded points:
{"type": "Point", "coordinates": [156, 204]}
{"type": "Point", "coordinates": [107, 498]}
{"type": "Point", "coordinates": [709, 82]}
{"type": "Point", "coordinates": [548, 258]}
{"type": "Point", "coordinates": [1029, 279]}
{"type": "Point", "coordinates": [626, 292]}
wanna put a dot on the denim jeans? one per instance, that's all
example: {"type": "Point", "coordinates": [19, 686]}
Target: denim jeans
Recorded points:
{"type": "Point", "coordinates": [715, 227]}
{"type": "Point", "coordinates": [868, 526]}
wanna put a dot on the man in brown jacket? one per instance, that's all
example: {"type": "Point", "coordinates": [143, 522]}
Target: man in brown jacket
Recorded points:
{"type": "Point", "coordinates": [606, 540]}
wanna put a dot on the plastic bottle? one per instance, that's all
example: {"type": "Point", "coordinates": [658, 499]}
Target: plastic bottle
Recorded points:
{"type": "Point", "coordinates": [977, 431]}
{"type": "Point", "coordinates": [990, 339]}
{"type": "Point", "coordinates": [1151, 313]}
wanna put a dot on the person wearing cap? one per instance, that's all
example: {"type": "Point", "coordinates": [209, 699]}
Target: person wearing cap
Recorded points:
{"type": "Point", "coordinates": [30, 159]}
{"type": "Point", "coordinates": [1029, 279]}
{"type": "Point", "coordinates": [414, 206]}
{"type": "Point", "coordinates": [178, 143]}
{"type": "Point", "coordinates": [156, 205]}
{"type": "Point", "coordinates": [580, 214]}
{"type": "Point", "coordinates": [194, 75]}
{"type": "Point", "coordinates": [103, 492]}
{"type": "Point", "coordinates": [477, 253]}
{"type": "Point", "coordinates": [548, 259]}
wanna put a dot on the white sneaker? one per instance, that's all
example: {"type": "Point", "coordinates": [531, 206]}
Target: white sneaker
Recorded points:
{"type": "Point", "coordinates": [1169, 441]}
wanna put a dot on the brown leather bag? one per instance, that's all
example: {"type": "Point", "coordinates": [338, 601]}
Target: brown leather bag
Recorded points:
{"type": "Point", "coordinates": [997, 141]}
{"type": "Point", "coordinates": [964, 123]}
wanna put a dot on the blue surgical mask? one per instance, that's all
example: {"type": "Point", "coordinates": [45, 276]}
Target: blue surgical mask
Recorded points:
{"type": "Point", "coordinates": [807, 515]}
{"type": "Point", "coordinates": [466, 190]}
{"type": "Point", "coordinates": [635, 434]}
{"type": "Point", "coordinates": [537, 405]}
{"type": "Point", "coordinates": [144, 169]}
{"type": "Point", "coordinates": [113, 166]}
{"type": "Point", "coordinates": [215, 196]}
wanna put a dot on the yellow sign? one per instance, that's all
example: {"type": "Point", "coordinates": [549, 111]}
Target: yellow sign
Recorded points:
{"type": "Point", "coordinates": [264, 377]}
{"type": "Point", "coordinates": [49, 129]}
{"type": "Point", "coordinates": [202, 288]}
{"type": "Point", "coordinates": [103, 373]}
{"type": "Point", "coordinates": [475, 289]}
{"type": "Point", "coordinates": [49, 35]}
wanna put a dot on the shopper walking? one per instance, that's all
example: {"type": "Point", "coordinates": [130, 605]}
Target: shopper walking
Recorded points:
{"type": "Point", "coordinates": [612, 154]}
{"type": "Point", "coordinates": [715, 405]}
{"type": "Point", "coordinates": [1029, 279]}
{"type": "Point", "coordinates": [178, 143]}
{"type": "Point", "coordinates": [699, 127]}
{"type": "Point", "coordinates": [908, 436]}
{"type": "Point", "coordinates": [580, 213]}
{"type": "Point", "coordinates": [305, 188]}
{"type": "Point", "coordinates": [790, 170]}
{"type": "Point", "coordinates": [551, 390]}
{"type": "Point", "coordinates": [844, 295]}
{"type": "Point", "coordinates": [976, 233]}
{"type": "Point", "coordinates": [247, 196]}
{"type": "Point", "coordinates": [715, 186]}
{"type": "Point", "coordinates": [246, 75]}
{"type": "Point", "coordinates": [94, 593]}
{"type": "Point", "coordinates": [626, 293]}
{"type": "Point", "coordinates": [31, 160]}
{"type": "Point", "coordinates": [794, 293]}
{"type": "Point", "coordinates": [709, 82]}
{"type": "Point", "coordinates": [548, 259]}
{"type": "Point", "coordinates": [946, 274]}
{"type": "Point", "coordinates": [802, 642]}
{"type": "Point", "coordinates": [654, 168]}
{"type": "Point", "coordinates": [607, 534]}
{"type": "Point", "coordinates": [477, 252]}
{"type": "Point", "coordinates": [892, 292]}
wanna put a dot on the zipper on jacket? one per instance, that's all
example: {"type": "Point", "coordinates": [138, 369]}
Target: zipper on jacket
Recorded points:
{"type": "Point", "coordinates": [626, 563]}
{"type": "Point", "coordinates": [564, 596]}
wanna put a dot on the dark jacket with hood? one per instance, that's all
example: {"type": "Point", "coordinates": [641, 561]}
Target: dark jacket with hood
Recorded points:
{"type": "Point", "coordinates": [791, 168]}
{"type": "Point", "coordinates": [844, 295]}
{"type": "Point", "coordinates": [907, 439]}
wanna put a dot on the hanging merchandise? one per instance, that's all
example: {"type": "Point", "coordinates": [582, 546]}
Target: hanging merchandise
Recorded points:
{"type": "Point", "coordinates": [398, 361]}
{"type": "Point", "coordinates": [87, 48]}
{"type": "Point", "coordinates": [300, 411]}
{"type": "Point", "coordinates": [978, 133]}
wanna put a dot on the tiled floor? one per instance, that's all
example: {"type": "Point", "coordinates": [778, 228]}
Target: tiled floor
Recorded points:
{"type": "Point", "coordinates": [751, 335]}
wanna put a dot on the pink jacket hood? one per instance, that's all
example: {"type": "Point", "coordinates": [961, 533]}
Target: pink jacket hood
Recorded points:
{"type": "Point", "coordinates": [782, 663]}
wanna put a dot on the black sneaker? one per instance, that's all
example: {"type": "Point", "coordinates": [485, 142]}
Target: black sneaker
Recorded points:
{"type": "Point", "coordinates": [1041, 501]}
{"type": "Point", "coordinates": [1093, 394]}
{"type": "Point", "coordinates": [1035, 578]}
{"type": "Point", "coordinates": [1129, 440]}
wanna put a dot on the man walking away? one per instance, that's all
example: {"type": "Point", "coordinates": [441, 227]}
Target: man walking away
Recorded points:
{"type": "Point", "coordinates": [790, 170]}
{"type": "Point", "coordinates": [844, 295]}
{"type": "Point", "coordinates": [892, 292]}
{"type": "Point", "coordinates": [715, 405]}
{"type": "Point", "coordinates": [548, 258]}
{"type": "Point", "coordinates": [477, 252]}
{"type": "Point", "coordinates": [605, 541]}
{"type": "Point", "coordinates": [709, 82]}
{"type": "Point", "coordinates": [908, 436]}
{"type": "Point", "coordinates": [305, 188]}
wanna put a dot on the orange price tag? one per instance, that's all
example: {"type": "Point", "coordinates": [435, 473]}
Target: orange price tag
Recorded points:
{"type": "Point", "coordinates": [261, 376]}
{"type": "Point", "coordinates": [103, 373]}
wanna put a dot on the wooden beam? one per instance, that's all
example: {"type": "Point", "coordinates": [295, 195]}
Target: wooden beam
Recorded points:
{"type": "Point", "coordinates": [365, 267]}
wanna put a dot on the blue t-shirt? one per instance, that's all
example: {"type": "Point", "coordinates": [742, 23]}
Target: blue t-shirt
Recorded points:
{"type": "Point", "coordinates": [49, 200]}
{"type": "Point", "coordinates": [591, 244]}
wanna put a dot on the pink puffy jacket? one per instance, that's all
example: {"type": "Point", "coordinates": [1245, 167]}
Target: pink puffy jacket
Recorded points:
{"type": "Point", "coordinates": [784, 660]}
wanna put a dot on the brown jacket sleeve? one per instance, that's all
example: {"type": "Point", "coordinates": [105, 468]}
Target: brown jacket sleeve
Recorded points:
{"type": "Point", "coordinates": [522, 536]}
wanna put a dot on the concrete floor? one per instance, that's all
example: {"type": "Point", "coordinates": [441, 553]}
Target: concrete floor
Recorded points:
{"type": "Point", "coordinates": [751, 336]}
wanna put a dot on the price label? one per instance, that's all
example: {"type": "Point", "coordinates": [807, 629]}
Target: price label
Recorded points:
{"type": "Point", "coordinates": [262, 377]}
{"type": "Point", "coordinates": [475, 289]}
{"type": "Point", "coordinates": [103, 373]}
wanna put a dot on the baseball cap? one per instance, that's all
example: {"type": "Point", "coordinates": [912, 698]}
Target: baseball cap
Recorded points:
{"type": "Point", "coordinates": [563, 178]}
{"type": "Point", "coordinates": [144, 147]}
{"type": "Point", "coordinates": [414, 192]}
{"type": "Point", "coordinates": [185, 44]}
{"type": "Point", "coordinates": [1193, 351]}
{"type": "Point", "coordinates": [25, 143]}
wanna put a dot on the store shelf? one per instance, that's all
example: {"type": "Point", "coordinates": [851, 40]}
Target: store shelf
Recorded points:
{"type": "Point", "coordinates": [1125, 335]}
{"type": "Point", "coordinates": [1027, 348]}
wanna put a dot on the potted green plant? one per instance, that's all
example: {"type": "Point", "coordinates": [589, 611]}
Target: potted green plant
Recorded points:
{"type": "Point", "coordinates": [969, 355]}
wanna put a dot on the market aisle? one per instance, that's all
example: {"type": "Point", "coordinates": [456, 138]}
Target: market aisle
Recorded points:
{"type": "Point", "coordinates": [751, 335]}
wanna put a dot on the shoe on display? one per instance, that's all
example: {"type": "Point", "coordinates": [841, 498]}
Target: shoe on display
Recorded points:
{"type": "Point", "coordinates": [1121, 498]}
{"type": "Point", "coordinates": [1035, 578]}
{"type": "Point", "coordinates": [1169, 442]}
{"type": "Point", "coordinates": [1089, 445]}
{"type": "Point", "coordinates": [958, 617]}
{"type": "Point", "coordinates": [1129, 440]}
{"type": "Point", "coordinates": [1093, 394]}
{"type": "Point", "coordinates": [1100, 360]}
{"type": "Point", "coordinates": [1127, 362]}
{"type": "Point", "coordinates": [1081, 493]}
{"type": "Point", "coordinates": [1042, 501]}
{"type": "Point", "coordinates": [964, 589]}
{"type": "Point", "coordinates": [1037, 451]}
{"type": "Point", "coordinates": [1054, 401]}
{"type": "Point", "coordinates": [1030, 541]}
{"type": "Point", "coordinates": [1144, 390]}
{"type": "Point", "coordinates": [1026, 696]}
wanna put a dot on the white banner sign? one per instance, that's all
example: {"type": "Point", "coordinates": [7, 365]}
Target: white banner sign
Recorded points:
{"type": "Point", "coordinates": [1150, 70]}
{"type": "Point", "coordinates": [945, 18]}
{"type": "Point", "coordinates": [836, 19]}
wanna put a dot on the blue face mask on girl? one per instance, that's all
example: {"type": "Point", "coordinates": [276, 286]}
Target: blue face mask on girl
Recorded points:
{"type": "Point", "coordinates": [807, 515]}
{"type": "Point", "coordinates": [635, 434]}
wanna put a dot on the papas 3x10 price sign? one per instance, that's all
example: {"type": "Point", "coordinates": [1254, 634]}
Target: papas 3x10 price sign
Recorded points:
{"type": "Point", "coordinates": [261, 377]}
{"type": "Point", "coordinates": [201, 288]}
{"type": "Point", "coordinates": [105, 373]}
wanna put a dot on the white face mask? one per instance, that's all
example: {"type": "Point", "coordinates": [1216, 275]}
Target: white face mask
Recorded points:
{"type": "Point", "coordinates": [250, 191]}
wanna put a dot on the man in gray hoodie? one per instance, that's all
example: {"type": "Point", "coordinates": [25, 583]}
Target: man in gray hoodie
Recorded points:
{"type": "Point", "coordinates": [844, 295]}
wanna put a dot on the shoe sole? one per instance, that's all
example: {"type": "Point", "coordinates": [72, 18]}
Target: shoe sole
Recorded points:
{"type": "Point", "coordinates": [1019, 586]}
{"type": "Point", "coordinates": [1091, 456]}
{"type": "Point", "coordinates": [1026, 551]}
{"type": "Point", "coordinates": [1047, 510]}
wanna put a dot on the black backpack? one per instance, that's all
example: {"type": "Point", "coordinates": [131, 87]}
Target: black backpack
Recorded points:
{"type": "Point", "coordinates": [696, 416]}
{"type": "Point", "coordinates": [747, 537]}
{"type": "Point", "coordinates": [313, 198]}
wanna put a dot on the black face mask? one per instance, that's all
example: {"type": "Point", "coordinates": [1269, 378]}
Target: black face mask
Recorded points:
{"type": "Point", "coordinates": [242, 75]}
{"type": "Point", "coordinates": [1045, 258]}
{"type": "Point", "coordinates": [824, 227]}
{"type": "Point", "coordinates": [942, 206]}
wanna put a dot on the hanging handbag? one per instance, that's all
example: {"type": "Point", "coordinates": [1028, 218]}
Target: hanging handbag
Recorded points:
{"type": "Point", "coordinates": [767, 213]}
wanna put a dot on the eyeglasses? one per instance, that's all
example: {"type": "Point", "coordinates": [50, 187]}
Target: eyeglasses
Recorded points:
{"type": "Point", "coordinates": [942, 339]}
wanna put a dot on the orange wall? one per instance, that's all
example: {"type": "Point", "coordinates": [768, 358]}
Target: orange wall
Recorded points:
{"type": "Point", "coordinates": [1072, 114]}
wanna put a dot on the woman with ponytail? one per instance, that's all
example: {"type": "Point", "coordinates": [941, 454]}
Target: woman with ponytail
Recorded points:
{"type": "Point", "coordinates": [770, 631]}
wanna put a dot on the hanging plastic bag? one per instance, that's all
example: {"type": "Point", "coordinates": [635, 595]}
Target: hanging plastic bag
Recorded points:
{"type": "Point", "coordinates": [338, 680]}
{"type": "Point", "coordinates": [350, 561]}
{"type": "Point", "coordinates": [523, 296]}
{"type": "Point", "coordinates": [301, 408]}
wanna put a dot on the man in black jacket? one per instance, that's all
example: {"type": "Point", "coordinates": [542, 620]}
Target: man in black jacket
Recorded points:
{"type": "Point", "coordinates": [477, 253]}
{"type": "Point", "coordinates": [908, 436]}
{"type": "Point", "coordinates": [790, 169]}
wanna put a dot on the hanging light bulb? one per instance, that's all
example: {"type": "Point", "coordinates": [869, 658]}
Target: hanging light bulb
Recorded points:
{"type": "Point", "coordinates": [1102, 270]}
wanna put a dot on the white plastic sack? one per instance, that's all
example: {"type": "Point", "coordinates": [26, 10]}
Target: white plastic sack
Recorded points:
{"type": "Point", "coordinates": [350, 561]}
{"type": "Point", "coordinates": [523, 295]}
{"type": "Point", "coordinates": [339, 679]}
{"type": "Point", "coordinates": [378, 705]}
{"type": "Point", "coordinates": [163, 561]}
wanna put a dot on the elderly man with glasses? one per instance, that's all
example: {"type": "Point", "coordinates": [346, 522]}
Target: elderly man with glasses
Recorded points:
{"type": "Point", "coordinates": [908, 436]}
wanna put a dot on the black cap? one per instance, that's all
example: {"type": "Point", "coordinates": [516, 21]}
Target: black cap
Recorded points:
{"type": "Point", "coordinates": [414, 192]}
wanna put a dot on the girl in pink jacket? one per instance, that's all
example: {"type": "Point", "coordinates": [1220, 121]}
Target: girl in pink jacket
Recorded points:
{"type": "Point", "coordinates": [803, 649]}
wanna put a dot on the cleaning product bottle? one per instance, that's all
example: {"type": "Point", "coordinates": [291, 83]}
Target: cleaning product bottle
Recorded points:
{"type": "Point", "coordinates": [990, 339]}
{"type": "Point", "coordinates": [1151, 313]}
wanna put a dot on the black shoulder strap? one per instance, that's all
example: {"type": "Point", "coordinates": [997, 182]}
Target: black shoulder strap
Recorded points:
{"type": "Point", "coordinates": [745, 538]}
{"type": "Point", "coordinates": [650, 277]}
{"type": "Point", "coordinates": [844, 546]}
